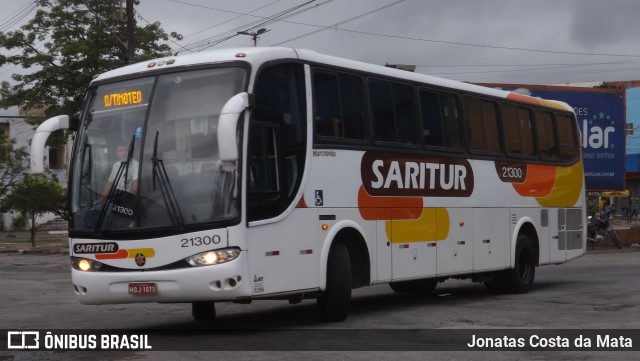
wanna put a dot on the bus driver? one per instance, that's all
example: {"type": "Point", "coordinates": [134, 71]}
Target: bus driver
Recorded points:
{"type": "Point", "coordinates": [130, 174]}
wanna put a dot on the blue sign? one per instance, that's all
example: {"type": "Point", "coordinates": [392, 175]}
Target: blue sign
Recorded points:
{"type": "Point", "coordinates": [601, 121]}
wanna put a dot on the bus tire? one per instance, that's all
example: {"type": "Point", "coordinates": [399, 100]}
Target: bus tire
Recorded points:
{"type": "Point", "coordinates": [422, 287]}
{"type": "Point", "coordinates": [335, 302]}
{"type": "Point", "coordinates": [520, 278]}
{"type": "Point", "coordinates": [203, 311]}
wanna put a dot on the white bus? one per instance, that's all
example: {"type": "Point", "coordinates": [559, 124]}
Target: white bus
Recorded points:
{"type": "Point", "coordinates": [277, 173]}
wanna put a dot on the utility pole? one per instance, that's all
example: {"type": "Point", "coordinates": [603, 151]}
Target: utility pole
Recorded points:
{"type": "Point", "coordinates": [131, 26]}
{"type": "Point", "coordinates": [254, 35]}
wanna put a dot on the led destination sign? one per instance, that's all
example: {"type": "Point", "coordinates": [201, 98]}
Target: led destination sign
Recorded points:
{"type": "Point", "coordinates": [122, 99]}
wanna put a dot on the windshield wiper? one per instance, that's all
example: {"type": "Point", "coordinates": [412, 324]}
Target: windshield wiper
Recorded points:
{"type": "Point", "coordinates": [123, 169]}
{"type": "Point", "coordinates": [169, 197]}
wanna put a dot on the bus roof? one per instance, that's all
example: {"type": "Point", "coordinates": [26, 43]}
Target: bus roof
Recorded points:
{"type": "Point", "coordinates": [258, 55]}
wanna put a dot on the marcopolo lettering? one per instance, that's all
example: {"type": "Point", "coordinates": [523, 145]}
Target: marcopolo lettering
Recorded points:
{"type": "Point", "coordinates": [95, 248]}
{"type": "Point", "coordinates": [398, 175]}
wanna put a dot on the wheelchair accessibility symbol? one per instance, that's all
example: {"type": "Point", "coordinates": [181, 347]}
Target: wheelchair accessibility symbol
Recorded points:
{"type": "Point", "coordinates": [319, 198]}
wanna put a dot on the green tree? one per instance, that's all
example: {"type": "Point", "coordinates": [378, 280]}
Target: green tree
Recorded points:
{"type": "Point", "coordinates": [33, 197]}
{"type": "Point", "coordinates": [13, 163]}
{"type": "Point", "coordinates": [67, 43]}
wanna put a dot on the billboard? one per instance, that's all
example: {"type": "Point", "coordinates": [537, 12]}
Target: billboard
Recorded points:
{"type": "Point", "coordinates": [601, 121]}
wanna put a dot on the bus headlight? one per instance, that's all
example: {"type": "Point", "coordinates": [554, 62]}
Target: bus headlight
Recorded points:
{"type": "Point", "coordinates": [85, 265]}
{"type": "Point", "coordinates": [214, 257]}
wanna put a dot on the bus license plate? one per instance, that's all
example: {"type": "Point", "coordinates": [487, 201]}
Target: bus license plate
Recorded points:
{"type": "Point", "coordinates": [142, 288]}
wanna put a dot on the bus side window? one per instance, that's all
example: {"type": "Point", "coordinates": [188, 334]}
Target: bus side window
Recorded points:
{"type": "Point", "coordinates": [567, 138]}
{"type": "Point", "coordinates": [392, 110]}
{"type": "Point", "coordinates": [545, 135]}
{"type": "Point", "coordinates": [451, 121]}
{"type": "Point", "coordinates": [381, 101]}
{"type": "Point", "coordinates": [518, 133]}
{"type": "Point", "coordinates": [431, 119]}
{"type": "Point", "coordinates": [328, 117]}
{"type": "Point", "coordinates": [404, 113]}
{"type": "Point", "coordinates": [482, 125]}
{"type": "Point", "coordinates": [351, 101]}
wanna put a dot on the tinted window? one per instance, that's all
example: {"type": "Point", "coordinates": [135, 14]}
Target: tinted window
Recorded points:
{"type": "Point", "coordinates": [338, 110]}
{"type": "Point", "coordinates": [392, 112]}
{"type": "Point", "coordinates": [567, 139]}
{"type": "Point", "coordinates": [382, 111]}
{"type": "Point", "coordinates": [440, 119]}
{"type": "Point", "coordinates": [545, 135]}
{"type": "Point", "coordinates": [432, 132]}
{"type": "Point", "coordinates": [404, 112]}
{"type": "Point", "coordinates": [482, 125]}
{"type": "Point", "coordinates": [518, 134]}
{"type": "Point", "coordinates": [277, 141]}
{"type": "Point", "coordinates": [451, 120]}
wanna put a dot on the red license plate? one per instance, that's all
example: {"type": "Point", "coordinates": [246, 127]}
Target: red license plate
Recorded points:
{"type": "Point", "coordinates": [142, 288]}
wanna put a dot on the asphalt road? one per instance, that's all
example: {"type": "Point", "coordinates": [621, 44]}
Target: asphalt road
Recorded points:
{"type": "Point", "coordinates": [600, 290]}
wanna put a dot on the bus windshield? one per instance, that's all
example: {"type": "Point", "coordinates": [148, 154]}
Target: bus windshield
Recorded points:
{"type": "Point", "coordinates": [147, 153]}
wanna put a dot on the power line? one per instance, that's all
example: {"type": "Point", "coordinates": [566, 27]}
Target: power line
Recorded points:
{"type": "Point", "coordinates": [334, 26]}
{"type": "Point", "coordinates": [237, 17]}
{"type": "Point", "coordinates": [146, 21]}
{"type": "Point", "coordinates": [17, 16]}
{"type": "Point", "coordinates": [234, 32]}
{"type": "Point", "coordinates": [264, 20]}
{"type": "Point", "coordinates": [207, 41]}
{"type": "Point", "coordinates": [530, 69]}
{"type": "Point", "coordinates": [523, 65]}
{"type": "Point", "coordinates": [485, 45]}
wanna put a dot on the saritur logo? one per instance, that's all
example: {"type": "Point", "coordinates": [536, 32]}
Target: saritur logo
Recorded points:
{"type": "Point", "coordinates": [416, 176]}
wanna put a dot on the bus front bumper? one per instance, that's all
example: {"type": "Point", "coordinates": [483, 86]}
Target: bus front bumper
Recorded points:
{"type": "Point", "coordinates": [222, 282]}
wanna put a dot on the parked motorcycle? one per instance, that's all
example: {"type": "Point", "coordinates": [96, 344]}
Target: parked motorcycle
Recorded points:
{"type": "Point", "coordinates": [600, 230]}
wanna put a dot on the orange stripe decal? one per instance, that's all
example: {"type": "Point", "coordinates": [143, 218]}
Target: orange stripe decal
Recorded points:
{"type": "Point", "coordinates": [123, 253]}
{"type": "Point", "coordinates": [539, 181]}
{"type": "Point", "coordinates": [379, 208]}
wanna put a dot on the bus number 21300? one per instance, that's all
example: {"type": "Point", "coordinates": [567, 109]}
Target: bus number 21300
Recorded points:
{"type": "Point", "coordinates": [200, 241]}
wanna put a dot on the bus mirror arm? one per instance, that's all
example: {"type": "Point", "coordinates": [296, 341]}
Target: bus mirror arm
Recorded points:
{"type": "Point", "coordinates": [228, 125]}
{"type": "Point", "coordinates": [40, 139]}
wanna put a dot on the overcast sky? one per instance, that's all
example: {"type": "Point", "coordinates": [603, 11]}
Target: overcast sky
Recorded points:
{"type": "Point", "coordinates": [499, 41]}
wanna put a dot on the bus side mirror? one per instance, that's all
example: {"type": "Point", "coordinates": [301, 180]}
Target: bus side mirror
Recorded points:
{"type": "Point", "coordinates": [39, 140]}
{"type": "Point", "coordinates": [74, 123]}
{"type": "Point", "coordinates": [228, 125]}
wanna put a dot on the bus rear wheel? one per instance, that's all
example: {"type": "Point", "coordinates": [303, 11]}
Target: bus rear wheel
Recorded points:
{"type": "Point", "coordinates": [203, 311]}
{"type": "Point", "coordinates": [335, 302]}
{"type": "Point", "coordinates": [518, 279]}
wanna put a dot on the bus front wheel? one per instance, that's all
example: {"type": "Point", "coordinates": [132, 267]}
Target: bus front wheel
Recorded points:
{"type": "Point", "coordinates": [203, 311]}
{"type": "Point", "coordinates": [335, 302]}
